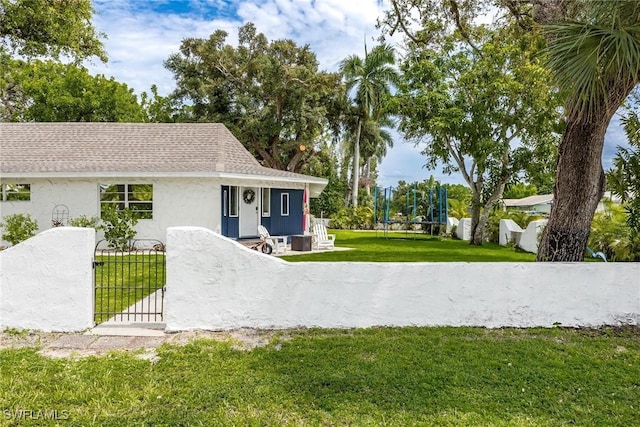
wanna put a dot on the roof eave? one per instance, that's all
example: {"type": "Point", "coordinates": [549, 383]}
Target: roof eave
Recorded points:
{"type": "Point", "coordinates": [316, 184]}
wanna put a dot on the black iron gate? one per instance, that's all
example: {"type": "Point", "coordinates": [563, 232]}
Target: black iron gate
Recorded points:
{"type": "Point", "coordinates": [130, 284]}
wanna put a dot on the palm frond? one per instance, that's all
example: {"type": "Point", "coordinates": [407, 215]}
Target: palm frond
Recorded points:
{"type": "Point", "coordinates": [587, 57]}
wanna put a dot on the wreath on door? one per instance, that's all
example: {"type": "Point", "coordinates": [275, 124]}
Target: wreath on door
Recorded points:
{"type": "Point", "coordinates": [249, 196]}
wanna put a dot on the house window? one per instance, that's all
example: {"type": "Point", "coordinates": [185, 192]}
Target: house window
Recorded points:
{"type": "Point", "coordinates": [284, 204]}
{"type": "Point", "coordinates": [266, 202]}
{"type": "Point", "coordinates": [137, 197]}
{"type": "Point", "coordinates": [16, 192]}
{"type": "Point", "coordinates": [234, 200]}
{"type": "Point", "coordinates": [225, 195]}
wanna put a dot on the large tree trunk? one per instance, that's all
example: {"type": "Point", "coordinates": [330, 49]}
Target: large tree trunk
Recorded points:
{"type": "Point", "coordinates": [476, 230]}
{"type": "Point", "coordinates": [580, 180]}
{"type": "Point", "coordinates": [580, 183]}
{"type": "Point", "coordinates": [477, 237]}
{"type": "Point", "coordinates": [356, 167]}
{"type": "Point", "coordinates": [481, 218]}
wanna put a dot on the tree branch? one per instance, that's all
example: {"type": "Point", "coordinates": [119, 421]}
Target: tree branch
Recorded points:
{"type": "Point", "coordinates": [523, 19]}
{"type": "Point", "coordinates": [266, 157]}
{"type": "Point", "coordinates": [401, 23]}
{"type": "Point", "coordinates": [459, 161]}
{"type": "Point", "coordinates": [463, 32]}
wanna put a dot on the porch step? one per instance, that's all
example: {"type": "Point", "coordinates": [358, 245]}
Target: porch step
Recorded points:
{"type": "Point", "coordinates": [129, 330]}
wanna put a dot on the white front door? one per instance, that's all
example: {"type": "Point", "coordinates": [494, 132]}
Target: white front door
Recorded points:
{"type": "Point", "coordinates": [249, 214]}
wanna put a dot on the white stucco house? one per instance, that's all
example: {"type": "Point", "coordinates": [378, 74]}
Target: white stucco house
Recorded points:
{"type": "Point", "coordinates": [535, 204]}
{"type": "Point", "coordinates": [194, 174]}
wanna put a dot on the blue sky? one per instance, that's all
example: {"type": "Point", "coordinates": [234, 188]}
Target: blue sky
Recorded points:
{"type": "Point", "coordinates": [141, 34]}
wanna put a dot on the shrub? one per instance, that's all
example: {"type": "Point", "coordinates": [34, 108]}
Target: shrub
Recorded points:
{"type": "Point", "coordinates": [18, 228]}
{"type": "Point", "coordinates": [84, 221]}
{"type": "Point", "coordinates": [611, 235]}
{"type": "Point", "coordinates": [360, 218]}
{"type": "Point", "coordinates": [523, 218]}
{"type": "Point", "coordinates": [118, 227]}
{"type": "Point", "coordinates": [492, 229]}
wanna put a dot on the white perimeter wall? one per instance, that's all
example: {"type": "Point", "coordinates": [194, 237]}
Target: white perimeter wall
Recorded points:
{"type": "Point", "coordinates": [531, 235]}
{"type": "Point", "coordinates": [176, 202]}
{"type": "Point", "coordinates": [215, 283]}
{"type": "Point", "coordinates": [46, 282]}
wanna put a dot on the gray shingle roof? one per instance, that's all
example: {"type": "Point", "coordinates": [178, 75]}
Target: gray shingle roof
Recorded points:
{"type": "Point", "coordinates": [529, 201]}
{"type": "Point", "coordinates": [127, 148]}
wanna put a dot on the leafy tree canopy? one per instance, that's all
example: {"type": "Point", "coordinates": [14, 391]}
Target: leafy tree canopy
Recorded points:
{"type": "Point", "coordinates": [325, 164]}
{"type": "Point", "coordinates": [520, 191]}
{"type": "Point", "coordinates": [593, 50]}
{"type": "Point", "coordinates": [484, 109]}
{"type": "Point", "coordinates": [270, 94]}
{"type": "Point", "coordinates": [31, 29]}
{"type": "Point", "coordinates": [459, 192]}
{"type": "Point", "coordinates": [51, 28]}
{"type": "Point", "coordinates": [163, 109]}
{"type": "Point", "coordinates": [58, 92]}
{"type": "Point", "coordinates": [624, 177]}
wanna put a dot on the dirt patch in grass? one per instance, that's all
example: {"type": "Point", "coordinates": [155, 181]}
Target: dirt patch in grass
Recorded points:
{"type": "Point", "coordinates": [242, 339]}
{"type": "Point", "coordinates": [26, 339]}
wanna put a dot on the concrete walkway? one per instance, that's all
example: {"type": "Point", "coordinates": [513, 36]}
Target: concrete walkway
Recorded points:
{"type": "Point", "coordinates": [87, 343]}
{"type": "Point", "coordinates": [142, 342]}
{"type": "Point", "coordinates": [70, 345]}
{"type": "Point", "coordinates": [138, 313]}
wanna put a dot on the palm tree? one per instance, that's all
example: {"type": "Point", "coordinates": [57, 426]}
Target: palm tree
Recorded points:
{"type": "Point", "coordinates": [596, 61]}
{"type": "Point", "coordinates": [374, 141]}
{"type": "Point", "coordinates": [458, 208]}
{"type": "Point", "coordinates": [372, 79]}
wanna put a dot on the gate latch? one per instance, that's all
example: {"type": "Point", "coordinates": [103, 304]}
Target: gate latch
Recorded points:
{"type": "Point", "coordinates": [97, 263]}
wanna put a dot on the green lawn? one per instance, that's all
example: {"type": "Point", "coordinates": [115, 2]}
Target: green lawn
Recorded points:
{"type": "Point", "coordinates": [122, 280]}
{"type": "Point", "coordinates": [378, 376]}
{"type": "Point", "coordinates": [401, 247]}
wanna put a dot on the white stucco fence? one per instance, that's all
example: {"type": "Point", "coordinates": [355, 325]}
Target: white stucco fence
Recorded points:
{"type": "Point", "coordinates": [531, 235]}
{"type": "Point", "coordinates": [452, 222]}
{"type": "Point", "coordinates": [46, 282]}
{"type": "Point", "coordinates": [463, 230]}
{"type": "Point", "coordinates": [509, 232]}
{"type": "Point", "coordinates": [216, 283]}
{"type": "Point", "coordinates": [526, 239]}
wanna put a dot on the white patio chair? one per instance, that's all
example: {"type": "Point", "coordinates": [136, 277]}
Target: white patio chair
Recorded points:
{"type": "Point", "coordinates": [323, 240]}
{"type": "Point", "coordinates": [279, 243]}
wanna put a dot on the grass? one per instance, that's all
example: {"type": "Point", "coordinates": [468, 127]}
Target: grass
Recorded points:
{"type": "Point", "coordinates": [122, 280]}
{"type": "Point", "coordinates": [379, 376]}
{"type": "Point", "coordinates": [401, 247]}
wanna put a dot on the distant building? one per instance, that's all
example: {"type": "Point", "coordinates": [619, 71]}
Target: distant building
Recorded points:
{"type": "Point", "coordinates": [541, 204]}
{"type": "Point", "coordinates": [534, 204]}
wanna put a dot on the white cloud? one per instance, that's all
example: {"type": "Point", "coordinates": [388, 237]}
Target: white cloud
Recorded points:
{"type": "Point", "coordinates": [139, 41]}
{"type": "Point", "coordinates": [334, 29]}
